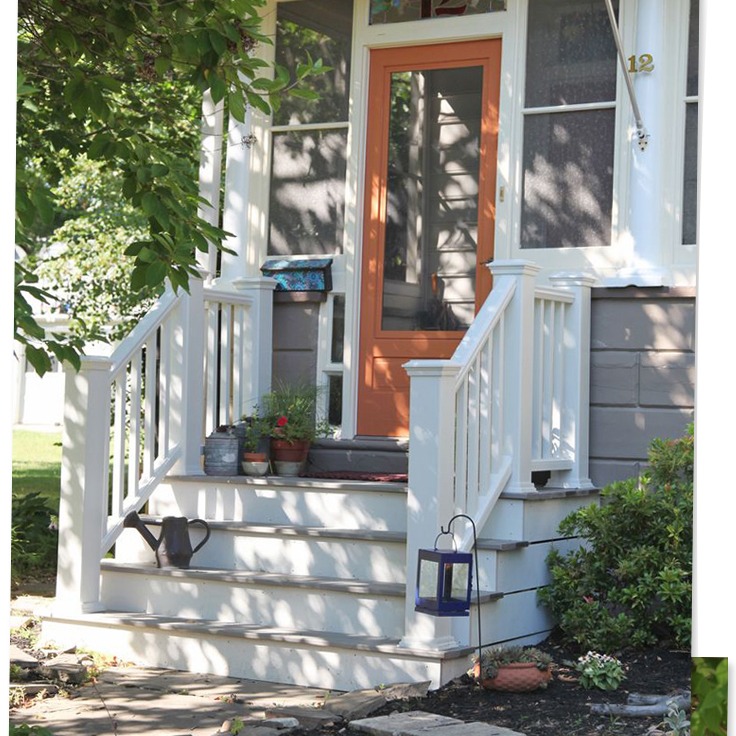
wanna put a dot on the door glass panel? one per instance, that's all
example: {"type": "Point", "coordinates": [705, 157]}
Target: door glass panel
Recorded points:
{"type": "Point", "coordinates": [432, 199]}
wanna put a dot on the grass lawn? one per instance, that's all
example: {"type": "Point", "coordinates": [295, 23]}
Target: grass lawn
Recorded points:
{"type": "Point", "coordinates": [37, 464]}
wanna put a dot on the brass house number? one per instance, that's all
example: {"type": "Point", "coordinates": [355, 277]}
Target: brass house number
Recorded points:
{"type": "Point", "coordinates": [641, 63]}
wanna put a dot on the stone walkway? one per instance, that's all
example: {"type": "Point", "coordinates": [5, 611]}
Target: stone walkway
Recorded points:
{"type": "Point", "coordinates": [155, 702]}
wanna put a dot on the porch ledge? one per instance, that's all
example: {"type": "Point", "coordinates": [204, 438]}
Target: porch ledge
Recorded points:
{"type": "Point", "coordinates": [281, 481]}
{"type": "Point", "coordinates": [544, 494]}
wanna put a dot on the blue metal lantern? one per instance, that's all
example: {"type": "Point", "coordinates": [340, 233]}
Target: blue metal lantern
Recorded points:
{"type": "Point", "coordinates": [444, 582]}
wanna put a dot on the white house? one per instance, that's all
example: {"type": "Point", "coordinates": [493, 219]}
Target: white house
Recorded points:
{"type": "Point", "coordinates": [504, 193]}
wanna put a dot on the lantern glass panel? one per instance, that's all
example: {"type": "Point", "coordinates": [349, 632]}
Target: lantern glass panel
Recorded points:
{"type": "Point", "coordinates": [428, 574]}
{"type": "Point", "coordinates": [458, 589]}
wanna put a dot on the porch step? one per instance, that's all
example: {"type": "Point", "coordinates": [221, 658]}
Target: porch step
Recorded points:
{"type": "Point", "coordinates": [312, 658]}
{"type": "Point", "coordinates": [277, 500]}
{"type": "Point", "coordinates": [347, 606]}
{"type": "Point", "coordinates": [365, 454]}
{"type": "Point", "coordinates": [290, 549]}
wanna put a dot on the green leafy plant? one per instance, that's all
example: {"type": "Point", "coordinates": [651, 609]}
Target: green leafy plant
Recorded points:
{"type": "Point", "coordinates": [24, 729]}
{"type": "Point", "coordinates": [600, 671]}
{"type": "Point", "coordinates": [630, 581]}
{"type": "Point", "coordinates": [493, 658]}
{"type": "Point", "coordinates": [710, 696]}
{"type": "Point", "coordinates": [34, 538]}
{"type": "Point", "coordinates": [289, 412]}
{"type": "Point", "coordinates": [255, 430]}
{"type": "Point", "coordinates": [676, 721]}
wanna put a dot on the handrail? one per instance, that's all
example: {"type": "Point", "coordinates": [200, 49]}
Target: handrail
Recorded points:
{"type": "Point", "coordinates": [512, 399]}
{"type": "Point", "coordinates": [135, 416]}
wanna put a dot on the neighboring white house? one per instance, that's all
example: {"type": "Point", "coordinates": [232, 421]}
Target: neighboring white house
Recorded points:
{"type": "Point", "coordinates": [505, 229]}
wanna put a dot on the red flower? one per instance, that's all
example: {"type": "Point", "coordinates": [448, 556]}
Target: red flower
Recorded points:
{"type": "Point", "coordinates": [282, 422]}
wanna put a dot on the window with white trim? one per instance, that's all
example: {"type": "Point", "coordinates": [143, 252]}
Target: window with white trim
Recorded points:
{"type": "Point", "coordinates": [309, 136]}
{"type": "Point", "coordinates": [690, 172]}
{"type": "Point", "coordinates": [569, 125]}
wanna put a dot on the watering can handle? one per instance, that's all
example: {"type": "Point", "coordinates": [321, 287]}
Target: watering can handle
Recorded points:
{"type": "Point", "coordinates": [206, 529]}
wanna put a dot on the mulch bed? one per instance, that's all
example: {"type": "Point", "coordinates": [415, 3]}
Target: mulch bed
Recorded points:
{"type": "Point", "coordinates": [563, 708]}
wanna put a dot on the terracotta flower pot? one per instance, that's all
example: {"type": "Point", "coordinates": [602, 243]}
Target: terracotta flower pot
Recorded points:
{"type": "Point", "coordinates": [292, 452]}
{"type": "Point", "coordinates": [517, 677]}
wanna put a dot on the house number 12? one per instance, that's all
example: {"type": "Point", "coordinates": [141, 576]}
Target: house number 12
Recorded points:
{"type": "Point", "coordinates": [643, 63]}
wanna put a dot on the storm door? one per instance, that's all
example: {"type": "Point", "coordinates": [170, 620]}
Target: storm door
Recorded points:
{"type": "Point", "coordinates": [429, 212]}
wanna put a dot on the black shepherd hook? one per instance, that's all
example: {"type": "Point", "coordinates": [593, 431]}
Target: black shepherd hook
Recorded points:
{"type": "Point", "coordinates": [477, 569]}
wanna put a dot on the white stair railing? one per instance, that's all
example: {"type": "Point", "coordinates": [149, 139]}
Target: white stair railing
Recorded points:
{"type": "Point", "coordinates": [512, 399]}
{"type": "Point", "coordinates": [143, 412]}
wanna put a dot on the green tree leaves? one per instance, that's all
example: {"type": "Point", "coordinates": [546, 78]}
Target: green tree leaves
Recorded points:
{"type": "Point", "coordinates": [122, 83]}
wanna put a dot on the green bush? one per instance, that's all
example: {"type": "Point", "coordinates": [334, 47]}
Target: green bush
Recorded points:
{"type": "Point", "coordinates": [630, 583]}
{"type": "Point", "coordinates": [33, 538]}
{"type": "Point", "coordinates": [710, 696]}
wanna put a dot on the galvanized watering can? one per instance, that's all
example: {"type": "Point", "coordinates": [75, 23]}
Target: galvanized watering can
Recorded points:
{"type": "Point", "coordinates": [173, 547]}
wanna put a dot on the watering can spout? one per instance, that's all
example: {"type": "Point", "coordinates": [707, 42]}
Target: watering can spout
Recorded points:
{"type": "Point", "coordinates": [133, 521]}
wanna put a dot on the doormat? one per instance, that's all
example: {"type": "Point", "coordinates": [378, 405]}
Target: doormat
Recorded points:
{"type": "Point", "coordinates": [357, 475]}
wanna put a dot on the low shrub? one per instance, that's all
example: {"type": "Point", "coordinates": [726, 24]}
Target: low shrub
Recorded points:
{"type": "Point", "coordinates": [630, 583]}
{"type": "Point", "coordinates": [33, 537]}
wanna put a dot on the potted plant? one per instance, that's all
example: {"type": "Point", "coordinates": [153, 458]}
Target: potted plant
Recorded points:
{"type": "Point", "coordinates": [254, 457]}
{"type": "Point", "coordinates": [289, 414]}
{"type": "Point", "coordinates": [512, 668]}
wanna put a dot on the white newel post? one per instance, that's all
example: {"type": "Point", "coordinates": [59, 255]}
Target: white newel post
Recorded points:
{"type": "Point", "coordinates": [83, 501]}
{"type": "Point", "coordinates": [430, 502]}
{"type": "Point", "coordinates": [259, 345]}
{"type": "Point", "coordinates": [518, 372]}
{"type": "Point", "coordinates": [188, 381]}
{"type": "Point", "coordinates": [576, 382]}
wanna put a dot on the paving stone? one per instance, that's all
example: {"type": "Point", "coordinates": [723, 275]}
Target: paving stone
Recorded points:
{"type": "Point", "coordinates": [21, 658]}
{"type": "Point", "coordinates": [419, 723]}
{"type": "Point", "coordinates": [307, 717]}
{"type": "Point", "coordinates": [65, 667]}
{"type": "Point", "coordinates": [264, 730]}
{"type": "Point", "coordinates": [356, 704]}
{"type": "Point", "coordinates": [34, 688]}
{"type": "Point", "coordinates": [397, 724]}
{"type": "Point", "coordinates": [405, 690]}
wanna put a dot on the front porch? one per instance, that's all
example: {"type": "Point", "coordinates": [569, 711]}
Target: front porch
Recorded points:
{"type": "Point", "coordinates": [311, 581]}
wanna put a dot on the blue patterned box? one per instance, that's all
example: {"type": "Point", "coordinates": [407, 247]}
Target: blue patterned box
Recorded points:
{"type": "Point", "coordinates": [300, 274]}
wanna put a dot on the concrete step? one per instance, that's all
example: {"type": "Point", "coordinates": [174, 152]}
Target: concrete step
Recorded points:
{"type": "Point", "coordinates": [367, 454]}
{"type": "Point", "coordinates": [268, 599]}
{"type": "Point", "coordinates": [292, 549]}
{"type": "Point", "coordinates": [311, 658]}
{"type": "Point", "coordinates": [284, 501]}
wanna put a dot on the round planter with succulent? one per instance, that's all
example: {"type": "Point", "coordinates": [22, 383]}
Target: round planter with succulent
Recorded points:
{"type": "Point", "coordinates": [512, 669]}
{"type": "Point", "coordinates": [290, 417]}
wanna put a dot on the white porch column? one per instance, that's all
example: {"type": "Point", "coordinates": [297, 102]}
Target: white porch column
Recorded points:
{"type": "Point", "coordinates": [576, 382]}
{"type": "Point", "coordinates": [518, 373]}
{"type": "Point", "coordinates": [237, 198]}
{"type": "Point", "coordinates": [648, 223]}
{"type": "Point", "coordinates": [259, 343]}
{"type": "Point", "coordinates": [430, 502]}
{"type": "Point", "coordinates": [83, 501]}
{"type": "Point", "coordinates": [210, 172]}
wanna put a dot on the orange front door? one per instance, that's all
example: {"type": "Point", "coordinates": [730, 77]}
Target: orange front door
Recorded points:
{"type": "Point", "coordinates": [429, 214]}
